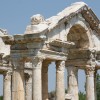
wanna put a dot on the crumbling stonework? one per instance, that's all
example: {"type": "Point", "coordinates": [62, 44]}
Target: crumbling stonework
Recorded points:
{"type": "Point", "coordinates": [71, 39]}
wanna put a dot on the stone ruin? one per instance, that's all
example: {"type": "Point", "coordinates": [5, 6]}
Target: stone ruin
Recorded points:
{"type": "Point", "coordinates": [71, 39]}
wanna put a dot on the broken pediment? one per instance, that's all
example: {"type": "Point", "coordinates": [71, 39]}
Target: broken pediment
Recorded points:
{"type": "Point", "coordinates": [39, 23]}
{"type": "Point", "coordinates": [4, 49]}
{"type": "Point", "coordinates": [70, 39]}
{"type": "Point", "coordinates": [75, 27]}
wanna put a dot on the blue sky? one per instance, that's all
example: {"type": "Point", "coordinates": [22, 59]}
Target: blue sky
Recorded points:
{"type": "Point", "coordinates": [15, 16]}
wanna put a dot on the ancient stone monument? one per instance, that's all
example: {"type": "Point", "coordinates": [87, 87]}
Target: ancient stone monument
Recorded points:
{"type": "Point", "coordinates": [71, 39]}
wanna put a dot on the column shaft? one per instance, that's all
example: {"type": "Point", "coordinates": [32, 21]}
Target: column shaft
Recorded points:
{"type": "Point", "coordinates": [28, 86]}
{"type": "Point", "coordinates": [45, 80]}
{"type": "Point", "coordinates": [7, 86]}
{"type": "Point", "coordinates": [95, 79]}
{"type": "Point", "coordinates": [73, 82]}
{"type": "Point", "coordinates": [37, 80]}
{"type": "Point", "coordinates": [18, 92]}
{"type": "Point", "coordinates": [60, 88]}
{"type": "Point", "coordinates": [90, 83]}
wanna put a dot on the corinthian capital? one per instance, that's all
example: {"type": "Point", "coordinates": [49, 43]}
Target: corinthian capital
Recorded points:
{"type": "Point", "coordinates": [90, 70]}
{"type": "Point", "coordinates": [37, 62]}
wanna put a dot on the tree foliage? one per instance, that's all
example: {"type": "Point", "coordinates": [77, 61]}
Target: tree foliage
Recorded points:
{"type": "Point", "coordinates": [98, 86]}
{"type": "Point", "coordinates": [1, 97]}
{"type": "Point", "coordinates": [82, 96]}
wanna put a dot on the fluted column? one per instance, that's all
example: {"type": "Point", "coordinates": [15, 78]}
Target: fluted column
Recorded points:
{"type": "Point", "coordinates": [45, 80]}
{"type": "Point", "coordinates": [28, 85]}
{"type": "Point", "coordinates": [73, 82]}
{"type": "Point", "coordinates": [18, 92]}
{"type": "Point", "coordinates": [7, 86]}
{"type": "Point", "coordinates": [90, 95]}
{"type": "Point", "coordinates": [37, 79]}
{"type": "Point", "coordinates": [60, 88]}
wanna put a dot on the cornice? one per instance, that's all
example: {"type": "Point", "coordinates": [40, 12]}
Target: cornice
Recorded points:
{"type": "Point", "coordinates": [23, 38]}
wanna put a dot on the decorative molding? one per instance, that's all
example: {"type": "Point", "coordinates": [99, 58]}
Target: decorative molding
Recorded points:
{"type": "Point", "coordinates": [91, 18]}
{"type": "Point", "coordinates": [37, 62]}
{"type": "Point", "coordinates": [36, 19]}
{"type": "Point", "coordinates": [53, 52]}
{"type": "Point", "coordinates": [92, 58]}
{"type": "Point", "coordinates": [90, 70]}
{"type": "Point", "coordinates": [60, 43]}
{"type": "Point", "coordinates": [8, 73]}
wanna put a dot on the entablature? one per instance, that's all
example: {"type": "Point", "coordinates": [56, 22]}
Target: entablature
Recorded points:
{"type": "Point", "coordinates": [24, 38]}
{"type": "Point", "coordinates": [53, 55]}
{"type": "Point", "coordinates": [60, 43]}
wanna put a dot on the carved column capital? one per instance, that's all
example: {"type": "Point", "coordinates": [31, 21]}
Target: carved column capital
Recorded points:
{"type": "Point", "coordinates": [60, 65]}
{"type": "Point", "coordinates": [37, 62]}
{"type": "Point", "coordinates": [9, 72]}
{"type": "Point", "coordinates": [7, 75]}
{"type": "Point", "coordinates": [72, 70]}
{"type": "Point", "coordinates": [17, 63]}
{"type": "Point", "coordinates": [93, 55]}
{"type": "Point", "coordinates": [90, 70]}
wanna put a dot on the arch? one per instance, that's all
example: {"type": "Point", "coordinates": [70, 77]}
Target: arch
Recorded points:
{"type": "Point", "coordinates": [79, 32]}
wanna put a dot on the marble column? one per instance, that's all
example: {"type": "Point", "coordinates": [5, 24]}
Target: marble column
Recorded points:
{"type": "Point", "coordinates": [18, 92]}
{"type": "Point", "coordinates": [95, 79]}
{"type": "Point", "coordinates": [45, 80]}
{"type": "Point", "coordinates": [73, 82]}
{"type": "Point", "coordinates": [37, 79]}
{"type": "Point", "coordinates": [7, 86]}
{"type": "Point", "coordinates": [28, 85]}
{"type": "Point", "coordinates": [90, 95]}
{"type": "Point", "coordinates": [60, 88]}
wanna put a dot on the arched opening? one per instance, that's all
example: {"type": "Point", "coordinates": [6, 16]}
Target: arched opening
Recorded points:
{"type": "Point", "coordinates": [78, 35]}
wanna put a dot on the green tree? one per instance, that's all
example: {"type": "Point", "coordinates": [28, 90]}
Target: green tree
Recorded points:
{"type": "Point", "coordinates": [82, 96]}
{"type": "Point", "coordinates": [98, 86]}
{"type": "Point", "coordinates": [1, 97]}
